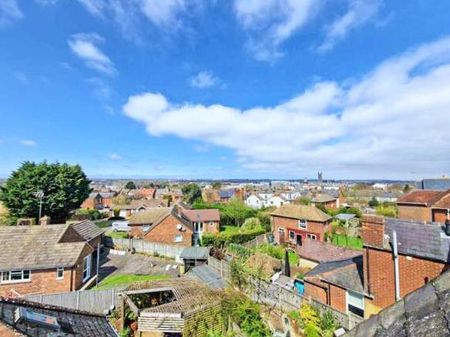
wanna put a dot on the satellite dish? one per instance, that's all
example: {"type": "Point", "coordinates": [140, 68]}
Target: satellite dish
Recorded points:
{"type": "Point", "coordinates": [179, 227]}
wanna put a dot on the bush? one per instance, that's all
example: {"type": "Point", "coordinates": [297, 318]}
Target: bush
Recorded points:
{"type": "Point", "coordinates": [88, 214]}
{"type": "Point", "coordinates": [222, 239]}
{"type": "Point", "coordinates": [251, 224]}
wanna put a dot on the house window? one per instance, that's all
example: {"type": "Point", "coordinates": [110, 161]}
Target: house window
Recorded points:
{"type": "Point", "coordinates": [302, 223]}
{"type": "Point", "coordinates": [355, 303]}
{"type": "Point", "coordinates": [211, 223]}
{"type": "Point", "coordinates": [15, 276]}
{"type": "Point", "coordinates": [311, 236]}
{"type": "Point", "coordinates": [291, 236]}
{"type": "Point", "coordinates": [178, 238]}
{"type": "Point", "coordinates": [146, 228]}
{"type": "Point", "coordinates": [59, 273]}
{"type": "Point", "coordinates": [87, 267]}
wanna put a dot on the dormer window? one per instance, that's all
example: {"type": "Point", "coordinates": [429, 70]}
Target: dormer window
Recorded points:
{"type": "Point", "coordinates": [302, 223]}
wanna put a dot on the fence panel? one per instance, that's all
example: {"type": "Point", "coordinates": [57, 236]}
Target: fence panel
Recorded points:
{"type": "Point", "coordinates": [94, 301]}
{"type": "Point", "coordinates": [142, 246]}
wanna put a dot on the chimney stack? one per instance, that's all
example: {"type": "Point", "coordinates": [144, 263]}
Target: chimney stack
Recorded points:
{"type": "Point", "coordinates": [373, 230]}
{"type": "Point", "coordinates": [44, 221]}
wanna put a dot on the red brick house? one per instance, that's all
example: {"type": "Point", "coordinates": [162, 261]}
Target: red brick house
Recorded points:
{"type": "Point", "coordinates": [425, 205]}
{"type": "Point", "coordinates": [423, 254]}
{"type": "Point", "coordinates": [293, 224]}
{"type": "Point", "coordinates": [202, 221]}
{"type": "Point", "coordinates": [325, 200]}
{"type": "Point", "coordinates": [47, 259]}
{"type": "Point", "coordinates": [163, 225]}
{"type": "Point", "coordinates": [99, 200]}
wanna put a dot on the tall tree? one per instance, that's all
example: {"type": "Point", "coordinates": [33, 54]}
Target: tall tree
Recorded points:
{"type": "Point", "coordinates": [130, 185]}
{"type": "Point", "coordinates": [64, 189]}
{"type": "Point", "coordinates": [287, 266]}
{"type": "Point", "coordinates": [191, 193]}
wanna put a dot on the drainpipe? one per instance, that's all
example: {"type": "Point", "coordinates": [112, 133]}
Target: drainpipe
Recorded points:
{"type": "Point", "coordinates": [396, 271]}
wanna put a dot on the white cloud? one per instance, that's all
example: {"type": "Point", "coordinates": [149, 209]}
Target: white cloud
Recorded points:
{"type": "Point", "coordinates": [95, 7]}
{"type": "Point", "coordinates": [28, 142]}
{"type": "Point", "coordinates": [390, 123]}
{"type": "Point", "coordinates": [101, 89]}
{"type": "Point", "coordinates": [114, 156]}
{"type": "Point", "coordinates": [204, 79]}
{"type": "Point", "coordinates": [9, 12]}
{"type": "Point", "coordinates": [359, 13]}
{"type": "Point", "coordinates": [85, 47]}
{"type": "Point", "coordinates": [162, 13]}
{"type": "Point", "coordinates": [271, 22]}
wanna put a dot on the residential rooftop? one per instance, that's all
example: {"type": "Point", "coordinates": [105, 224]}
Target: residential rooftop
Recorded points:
{"type": "Point", "coordinates": [320, 251]}
{"type": "Point", "coordinates": [306, 212]}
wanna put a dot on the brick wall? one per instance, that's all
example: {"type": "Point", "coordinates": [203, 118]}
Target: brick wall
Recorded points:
{"type": "Point", "coordinates": [439, 215]}
{"type": "Point", "coordinates": [6, 331]}
{"type": "Point", "coordinates": [166, 231]}
{"type": "Point", "coordinates": [41, 282]}
{"type": "Point", "coordinates": [338, 298]}
{"type": "Point", "coordinates": [315, 292]}
{"type": "Point", "coordinates": [316, 228]}
{"type": "Point", "coordinates": [379, 275]}
{"type": "Point", "coordinates": [373, 230]}
{"type": "Point", "coordinates": [414, 212]}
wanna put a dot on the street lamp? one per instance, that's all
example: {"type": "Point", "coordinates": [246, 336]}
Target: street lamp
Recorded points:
{"type": "Point", "coordinates": [40, 195]}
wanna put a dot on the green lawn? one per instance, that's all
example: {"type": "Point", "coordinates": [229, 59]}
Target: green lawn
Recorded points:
{"type": "Point", "coordinates": [104, 223]}
{"type": "Point", "coordinates": [349, 242]}
{"type": "Point", "coordinates": [117, 235]}
{"type": "Point", "coordinates": [229, 229]}
{"type": "Point", "coordinates": [277, 252]}
{"type": "Point", "coordinates": [126, 279]}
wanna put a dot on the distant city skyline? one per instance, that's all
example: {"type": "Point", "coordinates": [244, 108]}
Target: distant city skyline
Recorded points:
{"type": "Point", "coordinates": [357, 89]}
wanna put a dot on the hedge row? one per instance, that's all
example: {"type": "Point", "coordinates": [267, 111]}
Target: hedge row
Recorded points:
{"type": "Point", "coordinates": [223, 239]}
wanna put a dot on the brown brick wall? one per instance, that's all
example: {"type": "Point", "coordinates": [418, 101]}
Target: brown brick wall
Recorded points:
{"type": "Point", "coordinates": [379, 275]}
{"type": "Point", "coordinates": [7, 332]}
{"type": "Point", "coordinates": [166, 231]}
{"type": "Point", "coordinates": [414, 212]}
{"type": "Point", "coordinates": [317, 228]}
{"type": "Point", "coordinates": [316, 292]}
{"type": "Point", "coordinates": [338, 298]}
{"type": "Point", "coordinates": [439, 215]}
{"type": "Point", "coordinates": [373, 230]}
{"type": "Point", "coordinates": [42, 282]}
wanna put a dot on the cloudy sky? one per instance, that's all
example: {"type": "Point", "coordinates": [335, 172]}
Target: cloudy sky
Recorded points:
{"type": "Point", "coordinates": [227, 88]}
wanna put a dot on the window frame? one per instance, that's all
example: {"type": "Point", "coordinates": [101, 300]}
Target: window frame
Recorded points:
{"type": "Point", "coordinates": [10, 273]}
{"type": "Point", "coordinates": [180, 236]}
{"type": "Point", "coordinates": [88, 260]}
{"type": "Point", "coordinates": [311, 236]}
{"type": "Point", "coordinates": [293, 236]}
{"type": "Point", "coordinates": [358, 309]}
{"type": "Point", "coordinates": [302, 223]}
{"type": "Point", "coordinates": [58, 270]}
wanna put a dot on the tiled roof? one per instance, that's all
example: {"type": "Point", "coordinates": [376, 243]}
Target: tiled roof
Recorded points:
{"type": "Point", "coordinates": [322, 197]}
{"type": "Point", "coordinates": [307, 212]}
{"type": "Point", "coordinates": [226, 193]}
{"type": "Point", "coordinates": [444, 202]}
{"type": "Point", "coordinates": [37, 247]}
{"type": "Point", "coordinates": [202, 215]}
{"type": "Point", "coordinates": [426, 197]}
{"type": "Point", "coordinates": [422, 313]}
{"type": "Point", "coordinates": [149, 216]}
{"type": "Point", "coordinates": [418, 239]}
{"type": "Point", "coordinates": [87, 229]}
{"type": "Point", "coordinates": [320, 251]}
{"type": "Point", "coordinates": [345, 273]}
{"type": "Point", "coordinates": [74, 323]}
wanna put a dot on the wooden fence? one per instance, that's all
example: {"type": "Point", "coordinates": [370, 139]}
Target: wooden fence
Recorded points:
{"type": "Point", "coordinates": [275, 296]}
{"type": "Point", "coordinates": [256, 241]}
{"type": "Point", "coordinates": [94, 301]}
{"type": "Point", "coordinates": [142, 246]}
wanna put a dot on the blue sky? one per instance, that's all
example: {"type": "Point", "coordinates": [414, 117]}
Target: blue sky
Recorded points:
{"type": "Point", "coordinates": [227, 88]}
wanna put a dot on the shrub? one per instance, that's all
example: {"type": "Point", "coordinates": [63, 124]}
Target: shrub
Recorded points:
{"type": "Point", "coordinates": [251, 224]}
{"type": "Point", "coordinates": [222, 239]}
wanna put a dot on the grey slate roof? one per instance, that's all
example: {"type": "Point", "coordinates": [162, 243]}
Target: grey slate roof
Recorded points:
{"type": "Point", "coordinates": [195, 253]}
{"type": "Point", "coordinates": [208, 275]}
{"type": "Point", "coordinates": [76, 323]}
{"type": "Point", "coordinates": [344, 216]}
{"type": "Point", "coordinates": [345, 273]}
{"type": "Point", "coordinates": [37, 247]}
{"type": "Point", "coordinates": [87, 230]}
{"type": "Point", "coordinates": [423, 313]}
{"type": "Point", "coordinates": [419, 239]}
{"type": "Point", "coordinates": [442, 184]}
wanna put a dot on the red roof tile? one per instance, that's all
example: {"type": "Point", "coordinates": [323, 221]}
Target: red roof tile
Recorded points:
{"type": "Point", "coordinates": [201, 215]}
{"type": "Point", "coordinates": [319, 251]}
{"type": "Point", "coordinates": [427, 197]}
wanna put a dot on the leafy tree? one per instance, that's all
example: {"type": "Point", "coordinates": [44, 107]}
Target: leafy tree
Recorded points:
{"type": "Point", "coordinates": [304, 201]}
{"type": "Point", "coordinates": [65, 187]}
{"type": "Point", "coordinates": [121, 200]}
{"type": "Point", "coordinates": [191, 193]}
{"type": "Point", "coordinates": [387, 210]}
{"type": "Point", "coordinates": [373, 202]}
{"type": "Point", "coordinates": [406, 188]}
{"type": "Point", "coordinates": [251, 224]}
{"type": "Point", "coordinates": [130, 185]}
{"type": "Point", "coordinates": [217, 185]}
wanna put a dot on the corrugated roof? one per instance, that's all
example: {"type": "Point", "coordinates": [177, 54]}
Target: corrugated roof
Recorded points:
{"type": "Point", "coordinates": [37, 247]}
{"type": "Point", "coordinates": [208, 275]}
{"type": "Point", "coordinates": [195, 253]}
{"type": "Point", "coordinates": [307, 212]}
